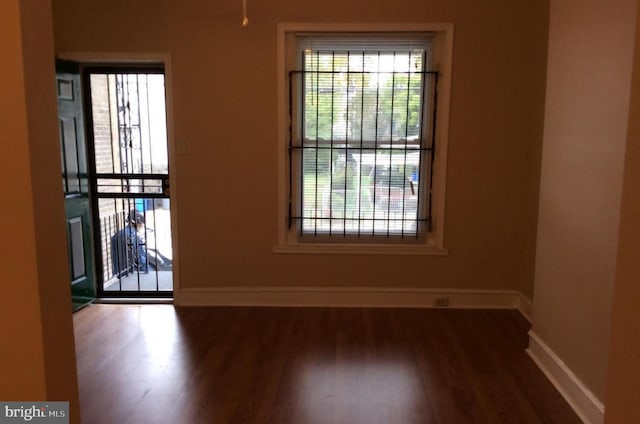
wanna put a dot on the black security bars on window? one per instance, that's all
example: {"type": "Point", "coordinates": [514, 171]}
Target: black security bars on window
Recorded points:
{"type": "Point", "coordinates": [360, 127]}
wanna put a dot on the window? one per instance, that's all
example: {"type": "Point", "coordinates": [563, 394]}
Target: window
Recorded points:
{"type": "Point", "coordinates": [361, 136]}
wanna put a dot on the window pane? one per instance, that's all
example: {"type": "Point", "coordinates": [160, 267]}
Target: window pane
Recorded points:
{"type": "Point", "coordinates": [360, 191]}
{"type": "Point", "coordinates": [362, 96]}
{"type": "Point", "coordinates": [361, 152]}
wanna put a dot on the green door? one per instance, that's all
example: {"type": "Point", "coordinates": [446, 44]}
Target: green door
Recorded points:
{"type": "Point", "coordinates": [75, 182]}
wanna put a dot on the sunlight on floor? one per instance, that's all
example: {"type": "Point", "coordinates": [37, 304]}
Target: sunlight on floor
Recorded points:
{"type": "Point", "coordinates": [160, 331]}
{"type": "Point", "coordinates": [348, 387]}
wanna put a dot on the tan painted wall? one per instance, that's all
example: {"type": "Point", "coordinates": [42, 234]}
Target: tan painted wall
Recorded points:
{"type": "Point", "coordinates": [99, 25]}
{"type": "Point", "coordinates": [21, 355]}
{"type": "Point", "coordinates": [37, 358]}
{"type": "Point", "coordinates": [224, 86]}
{"type": "Point", "coordinates": [588, 83]}
{"type": "Point", "coordinates": [50, 228]}
{"type": "Point", "coordinates": [623, 386]}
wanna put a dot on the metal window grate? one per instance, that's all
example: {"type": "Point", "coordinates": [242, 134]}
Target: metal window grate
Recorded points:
{"type": "Point", "coordinates": [362, 126]}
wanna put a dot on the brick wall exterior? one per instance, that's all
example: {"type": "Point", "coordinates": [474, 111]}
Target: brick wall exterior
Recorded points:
{"type": "Point", "coordinates": [107, 157]}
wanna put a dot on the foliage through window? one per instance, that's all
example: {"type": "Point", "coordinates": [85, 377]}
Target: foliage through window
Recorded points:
{"type": "Point", "coordinates": [361, 137]}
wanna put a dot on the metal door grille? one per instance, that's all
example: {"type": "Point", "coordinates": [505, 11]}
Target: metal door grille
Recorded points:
{"type": "Point", "coordinates": [130, 184]}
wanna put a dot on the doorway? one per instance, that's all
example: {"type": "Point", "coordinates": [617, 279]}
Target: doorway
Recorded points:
{"type": "Point", "coordinates": [129, 184]}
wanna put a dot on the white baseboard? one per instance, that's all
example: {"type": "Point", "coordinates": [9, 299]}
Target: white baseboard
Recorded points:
{"type": "Point", "coordinates": [584, 403]}
{"type": "Point", "coordinates": [346, 297]}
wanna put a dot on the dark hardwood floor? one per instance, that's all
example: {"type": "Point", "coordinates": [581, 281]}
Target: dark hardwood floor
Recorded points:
{"type": "Point", "coordinates": [159, 364]}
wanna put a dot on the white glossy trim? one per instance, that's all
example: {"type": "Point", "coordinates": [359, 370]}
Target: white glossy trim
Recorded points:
{"type": "Point", "coordinates": [114, 57]}
{"type": "Point", "coordinates": [382, 297]}
{"type": "Point", "coordinates": [288, 243]}
{"type": "Point", "coordinates": [585, 404]}
{"type": "Point", "coordinates": [359, 249]}
{"type": "Point", "coordinates": [365, 27]}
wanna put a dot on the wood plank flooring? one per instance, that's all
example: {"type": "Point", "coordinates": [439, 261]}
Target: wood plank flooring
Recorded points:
{"type": "Point", "coordinates": [160, 364]}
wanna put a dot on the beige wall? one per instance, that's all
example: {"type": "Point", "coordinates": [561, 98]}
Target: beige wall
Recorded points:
{"type": "Point", "coordinates": [224, 87]}
{"type": "Point", "coordinates": [588, 83]}
{"type": "Point", "coordinates": [37, 358]}
{"type": "Point", "coordinates": [99, 25]}
{"type": "Point", "coordinates": [623, 387]}
{"type": "Point", "coordinates": [37, 355]}
{"type": "Point", "coordinates": [21, 356]}
{"type": "Point", "coordinates": [50, 228]}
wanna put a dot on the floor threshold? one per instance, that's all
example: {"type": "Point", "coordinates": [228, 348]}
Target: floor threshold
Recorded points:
{"type": "Point", "coordinates": [134, 300]}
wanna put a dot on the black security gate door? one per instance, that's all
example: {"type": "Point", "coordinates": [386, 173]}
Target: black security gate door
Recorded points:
{"type": "Point", "coordinates": [130, 188]}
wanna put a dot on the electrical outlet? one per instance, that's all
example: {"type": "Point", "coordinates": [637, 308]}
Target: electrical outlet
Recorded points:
{"type": "Point", "coordinates": [441, 301]}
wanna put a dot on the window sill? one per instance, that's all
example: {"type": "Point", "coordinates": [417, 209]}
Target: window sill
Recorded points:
{"type": "Point", "coordinates": [359, 249]}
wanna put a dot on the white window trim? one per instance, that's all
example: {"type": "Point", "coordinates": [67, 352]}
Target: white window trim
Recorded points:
{"type": "Point", "coordinates": [442, 45]}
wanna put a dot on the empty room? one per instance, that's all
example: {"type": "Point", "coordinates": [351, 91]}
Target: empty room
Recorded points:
{"type": "Point", "coordinates": [303, 211]}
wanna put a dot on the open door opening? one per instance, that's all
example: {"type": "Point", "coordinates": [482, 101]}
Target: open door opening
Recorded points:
{"type": "Point", "coordinates": [126, 117]}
